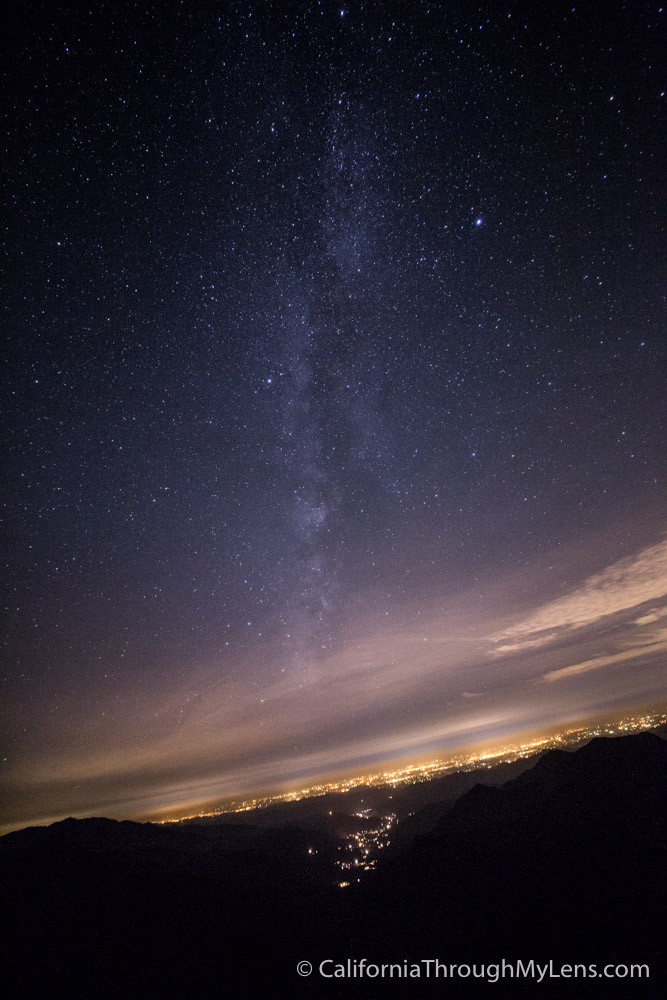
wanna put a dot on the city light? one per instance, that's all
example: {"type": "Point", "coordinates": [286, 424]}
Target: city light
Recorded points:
{"type": "Point", "coordinates": [413, 773]}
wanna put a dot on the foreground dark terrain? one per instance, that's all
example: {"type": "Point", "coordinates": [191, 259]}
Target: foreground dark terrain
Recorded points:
{"type": "Point", "coordinates": [563, 862]}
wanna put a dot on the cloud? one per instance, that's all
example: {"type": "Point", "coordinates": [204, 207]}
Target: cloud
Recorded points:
{"type": "Point", "coordinates": [521, 645]}
{"type": "Point", "coordinates": [652, 616]}
{"type": "Point", "coordinates": [655, 645]}
{"type": "Point", "coordinates": [624, 585]}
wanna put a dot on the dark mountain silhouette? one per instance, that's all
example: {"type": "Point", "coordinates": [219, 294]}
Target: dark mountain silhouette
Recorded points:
{"type": "Point", "coordinates": [564, 862]}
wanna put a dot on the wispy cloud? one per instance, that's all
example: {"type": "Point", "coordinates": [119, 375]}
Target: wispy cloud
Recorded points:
{"type": "Point", "coordinates": [620, 587]}
{"type": "Point", "coordinates": [654, 615]}
{"type": "Point", "coordinates": [522, 644]}
{"type": "Point", "coordinates": [655, 644]}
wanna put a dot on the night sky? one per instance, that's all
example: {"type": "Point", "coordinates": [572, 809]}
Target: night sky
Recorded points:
{"type": "Point", "coordinates": [333, 410]}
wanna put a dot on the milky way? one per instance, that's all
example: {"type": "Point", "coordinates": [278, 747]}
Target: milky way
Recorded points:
{"type": "Point", "coordinates": [334, 407]}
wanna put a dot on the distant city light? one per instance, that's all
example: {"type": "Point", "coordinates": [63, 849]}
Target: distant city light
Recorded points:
{"type": "Point", "coordinates": [414, 773]}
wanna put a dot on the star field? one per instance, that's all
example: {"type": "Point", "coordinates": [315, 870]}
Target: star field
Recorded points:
{"type": "Point", "coordinates": [334, 368]}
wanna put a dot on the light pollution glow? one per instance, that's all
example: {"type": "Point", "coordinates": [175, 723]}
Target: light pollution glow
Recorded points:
{"type": "Point", "coordinates": [466, 758]}
{"type": "Point", "coordinates": [479, 667]}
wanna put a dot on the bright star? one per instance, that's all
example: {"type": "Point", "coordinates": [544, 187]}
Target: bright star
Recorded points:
{"type": "Point", "coordinates": [478, 222]}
